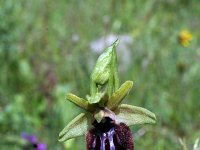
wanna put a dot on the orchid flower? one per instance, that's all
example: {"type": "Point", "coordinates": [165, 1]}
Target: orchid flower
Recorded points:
{"type": "Point", "coordinates": [106, 121]}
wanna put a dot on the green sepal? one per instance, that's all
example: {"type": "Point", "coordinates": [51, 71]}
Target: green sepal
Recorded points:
{"type": "Point", "coordinates": [119, 95]}
{"type": "Point", "coordinates": [102, 69]}
{"type": "Point", "coordinates": [77, 127]}
{"type": "Point", "coordinates": [132, 115]}
{"type": "Point", "coordinates": [80, 102]}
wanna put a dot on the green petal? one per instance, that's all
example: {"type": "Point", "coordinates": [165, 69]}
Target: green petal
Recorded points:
{"type": "Point", "coordinates": [77, 127]}
{"type": "Point", "coordinates": [80, 102]}
{"type": "Point", "coordinates": [119, 95]}
{"type": "Point", "coordinates": [131, 115]}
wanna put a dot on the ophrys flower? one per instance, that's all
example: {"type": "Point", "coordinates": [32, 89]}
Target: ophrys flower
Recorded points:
{"type": "Point", "coordinates": [106, 121]}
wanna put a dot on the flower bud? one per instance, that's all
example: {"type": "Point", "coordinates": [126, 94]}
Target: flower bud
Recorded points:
{"type": "Point", "coordinates": [102, 69]}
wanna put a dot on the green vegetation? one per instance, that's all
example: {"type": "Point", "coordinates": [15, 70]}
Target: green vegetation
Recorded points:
{"type": "Point", "coordinates": [45, 54]}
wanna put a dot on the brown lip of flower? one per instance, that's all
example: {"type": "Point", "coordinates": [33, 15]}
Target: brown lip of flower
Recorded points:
{"type": "Point", "coordinates": [107, 135]}
{"type": "Point", "coordinates": [104, 109]}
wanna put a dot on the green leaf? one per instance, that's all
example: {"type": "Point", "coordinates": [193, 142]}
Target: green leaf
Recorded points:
{"type": "Point", "coordinates": [80, 102]}
{"type": "Point", "coordinates": [119, 95]}
{"type": "Point", "coordinates": [77, 127]}
{"type": "Point", "coordinates": [131, 115]}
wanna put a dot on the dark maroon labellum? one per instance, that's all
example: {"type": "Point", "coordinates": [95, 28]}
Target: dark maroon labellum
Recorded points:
{"type": "Point", "coordinates": [107, 135]}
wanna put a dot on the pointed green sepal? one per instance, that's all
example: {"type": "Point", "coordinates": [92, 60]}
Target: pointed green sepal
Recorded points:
{"type": "Point", "coordinates": [119, 95]}
{"type": "Point", "coordinates": [80, 102]}
{"type": "Point", "coordinates": [77, 127]}
{"type": "Point", "coordinates": [131, 115]}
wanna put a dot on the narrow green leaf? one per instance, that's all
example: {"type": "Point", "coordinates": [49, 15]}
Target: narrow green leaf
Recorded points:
{"type": "Point", "coordinates": [131, 115]}
{"type": "Point", "coordinates": [119, 95]}
{"type": "Point", "coordinates": [77, 127]}
{"type": "Point", "coordinates": [80, 102]}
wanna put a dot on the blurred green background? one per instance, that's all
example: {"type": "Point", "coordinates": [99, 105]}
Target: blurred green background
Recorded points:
{"type": "Point", "coordinates": [45, 52]}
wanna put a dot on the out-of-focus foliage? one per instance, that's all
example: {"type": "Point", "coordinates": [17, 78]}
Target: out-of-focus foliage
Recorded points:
{"type": "Point", "coordinates": [45, 53]}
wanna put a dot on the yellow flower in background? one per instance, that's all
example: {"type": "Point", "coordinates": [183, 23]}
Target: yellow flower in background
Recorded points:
{"type": "Point", "coordinates": [184, 38]}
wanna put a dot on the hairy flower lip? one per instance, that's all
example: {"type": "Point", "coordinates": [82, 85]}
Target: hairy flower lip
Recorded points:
{"type": "Point", "coordinates": [116, 137]}
{"type": "Point", "coordinates": [107, 135]}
